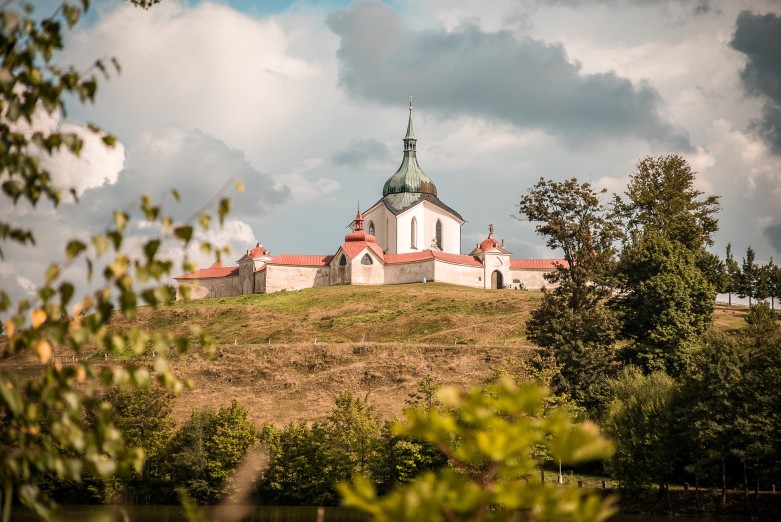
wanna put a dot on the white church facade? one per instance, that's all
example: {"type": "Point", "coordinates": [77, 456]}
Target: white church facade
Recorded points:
{"type": "Point", "coordinates": [408, 236]}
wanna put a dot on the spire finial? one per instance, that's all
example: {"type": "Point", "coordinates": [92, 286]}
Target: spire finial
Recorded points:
{"type": "Point", "coordinates": [410, 103]}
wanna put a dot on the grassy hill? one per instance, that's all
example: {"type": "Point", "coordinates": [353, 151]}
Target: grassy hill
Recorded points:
{"type": "Point", "coordinates": [285, 356]}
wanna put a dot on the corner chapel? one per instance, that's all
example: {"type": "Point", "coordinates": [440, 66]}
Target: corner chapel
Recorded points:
{"type": "Point", "coordinates": [408, 236]}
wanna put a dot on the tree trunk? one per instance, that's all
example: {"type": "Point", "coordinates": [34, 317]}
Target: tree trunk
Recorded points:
{"type": "Point", "coordinates": [745, 487]}
{"type": "Point", "coordinates": [729, 298]}
{"type": "Point", "coordinates": [723, 483]}
{"type": "Point", "coordinates": [542, 473]}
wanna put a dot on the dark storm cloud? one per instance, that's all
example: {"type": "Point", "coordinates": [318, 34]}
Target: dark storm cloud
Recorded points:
{"type": "Point", "coordinates": [759, 38]}
{"type": "Point", "coordinates": [773, 234]}
{"type": "Point", "coordinates": [523, 81]}
{"type": "Point", "coordinates": [697, 6]}
{"type": "Point", "coordinates": [360, 152]}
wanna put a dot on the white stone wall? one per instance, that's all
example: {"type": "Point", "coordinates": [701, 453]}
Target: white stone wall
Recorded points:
{"type": "Point", "coordinates": [246, 279]}
{"type": "Point", "coordinates": [401, 273]}
{"type": "Point", "coordinates": [458, 274]}
{"type": "Point", "coordinates": [451, 228]}
{"type": "Point", "coordinates": [361, 274]}
{"type": "Point", "coordinates": [531, 279]}
{"type": "Point", "coordinates": [288, 277]}
{"type": "Point", "coordinates": [404, 228]}
{"type": "Point", "coordinates": [210, 287]}
{"type": "Point", "coordinates": [384, 227]}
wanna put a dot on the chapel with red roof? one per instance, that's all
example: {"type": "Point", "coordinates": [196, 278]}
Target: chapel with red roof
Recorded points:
{"type": "Point", "coordinates": [408, 236]}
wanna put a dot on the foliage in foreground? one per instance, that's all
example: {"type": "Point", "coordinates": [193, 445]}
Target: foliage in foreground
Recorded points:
{"type": "Point", "coordinates": [489, 437]}
{"type": "Point", "coordinates": [57, 425]}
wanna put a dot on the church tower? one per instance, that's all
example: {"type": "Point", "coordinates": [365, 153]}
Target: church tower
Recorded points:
{"type": "Point", "coordinates": [410, 216]}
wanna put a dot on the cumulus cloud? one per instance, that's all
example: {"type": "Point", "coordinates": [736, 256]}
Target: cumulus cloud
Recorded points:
{"type": "Point", "coordinates": [197, 164]}
{"type": "Point", "coordinates": [759, 38]}
{"type": "Point", "coordinates": [527, 82]}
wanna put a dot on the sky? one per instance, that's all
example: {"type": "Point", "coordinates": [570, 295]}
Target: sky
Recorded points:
{"type": "Point", "coordinates": [306, 103]}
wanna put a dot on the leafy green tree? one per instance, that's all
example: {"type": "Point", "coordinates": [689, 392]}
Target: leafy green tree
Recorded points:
{"type": "Point", "coordinates": [749, 276]}
{"type": "Point", "coordinates": [187, 455]}
{"type": "Point", "coordinates": [233, 437]}
{"type": "Point", "coordinates": [714, 270]}
{"type": "Point", "coordinates": [45, 419]}
{"type": "Point", "coordinates": [572, 322]}
{"type": "Point", "coordinates": [204, 453]}
{"type": "Point", "coordinates": [297, 472]}
{"type": "Point", "coordinates": [489, 436]}
{"type": "Point", "coordinates": [661, 198]}
{"type": "Point", "coordinates": [143, 416]}
{"type": "Point", "coordinates": [666, 300]}
{"type": "Point", "coordinates": [712, 392]}
{"type": "Point", "coordinates": [352, 433]}
{"type": "Point", "coordinates": [425, 396]}
{"type": "Point", "coordinates": [732, 270]}
{"type": "Point", "coordinates": [641, 422]}
{"type": "Point", "coordinates": [667, 306]}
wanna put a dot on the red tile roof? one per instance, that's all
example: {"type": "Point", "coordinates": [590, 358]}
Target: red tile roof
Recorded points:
{"type": "Point", "coordinates": [457, 259]}
{"type": "Point", "coordinates": [411, 257]}
{"type": "Point", "coordinates": [300, 260]}
{"type": "Point", "coordinates": [258, 251]}
{"type": "Point", "coordinates": [216, 270]}
{"type": "Point", "coordinates": [536, 264]}
{"type": "Point", "coordinates": [352, 249]}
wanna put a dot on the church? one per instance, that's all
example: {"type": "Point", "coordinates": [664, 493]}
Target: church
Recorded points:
{"type": "Point", "coordinates": [408, 236]}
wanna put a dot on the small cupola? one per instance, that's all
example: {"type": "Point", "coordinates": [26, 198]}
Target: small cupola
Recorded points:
{"type": "Point", "coordinates": [358, 234]}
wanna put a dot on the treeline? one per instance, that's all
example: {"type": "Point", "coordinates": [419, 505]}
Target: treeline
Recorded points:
{"type": "Point", "coordinates": [628, 326]}
{"type": "Point", "coordinates": [748, 278]}
{"type": "Point", "coordinates": [298, 464]}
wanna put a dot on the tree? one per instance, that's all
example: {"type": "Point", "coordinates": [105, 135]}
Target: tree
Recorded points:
{"type": "Point", "coordinates": [44, 419]}
{"type": "Point", "coordinates": [732, 270]}
{"type": "Point", "coordinates": [666, 300]}
{"type": "Point", "coordinates": [297, 472]}
{"type": "Point", "coordinates": [488, 436]}
{"type": "Point", "coordinates": [712, 395]}
{"type": "Point", "coordinates": [641, 422]}
{"type": "Point", "coordinates": [207, 449]}
{"type": "Point", "coordinates": [749, 276]}
{"type": "Point", "coordinates": [143, 416]}
{"type": "Point", "coordinates": [572, 321]}
{"type": "Point", "coordinates": [352, 433]}
{"type": "Point", "coordinates": [668, 304]}
{"type": "Point", "coordinates": [233, 437]}
{"type": "Point", "coordinates": [661, 197]}
{"type": "Point", "coordinates": [575, 221]}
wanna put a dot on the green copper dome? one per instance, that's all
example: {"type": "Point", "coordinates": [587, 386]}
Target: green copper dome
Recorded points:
{"type": "Point", "coordinates": [409, 178]}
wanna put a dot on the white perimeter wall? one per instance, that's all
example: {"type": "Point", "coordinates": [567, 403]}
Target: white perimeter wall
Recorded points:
{"type": "Point", "coordinates": [401, 273]}
{"type": "Point", "coordinates": [285, 277]}
{"type": "Point", "coordinates": [531, 279]}
{"type": "Point", "coordinates": [458, 274]}
{"type": "Point", "coordinates": [211, 287]}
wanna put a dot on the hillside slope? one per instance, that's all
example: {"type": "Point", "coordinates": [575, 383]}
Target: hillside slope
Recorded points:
{"type": "Point", "coordinates": [285, 356]}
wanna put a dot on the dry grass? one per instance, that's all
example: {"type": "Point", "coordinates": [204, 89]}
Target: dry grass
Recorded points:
{"type": "Point", "coordinates": [285, 356]}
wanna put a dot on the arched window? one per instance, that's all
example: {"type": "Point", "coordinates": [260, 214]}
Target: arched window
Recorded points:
{"type": "Point", "coordinates": [439, 234]}
{"type": "Point", "coordinates": [366, 260]}
{"type": "Point", "coordinates": [414, 233]}
{"type": "Point", "coordinates": [371, 227]}
{"type": "Point", "coordinates": [342, 260]}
